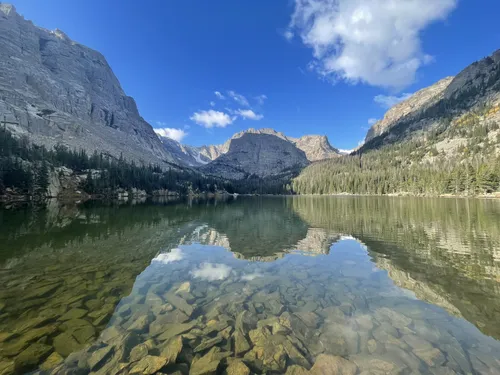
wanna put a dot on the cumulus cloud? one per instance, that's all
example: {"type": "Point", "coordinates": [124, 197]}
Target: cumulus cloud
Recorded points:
{"type": "Point", "coordinates": [371, 41]}
{"type": "Point", "coordinates": [219, 95]}
{"type": "Point", "coordinates": [238, 98]}
{"type": "Point", "coordinates": [211, 118]}
{"type": "Point", "coordinates": [372, 121]}
{"type": "Point", "coordinates": [212, 272]}
{"type": "Point", "coordinates": [389, 101]}
{"type": "Point", "coordinates": [173, 133]}
{"type": "Point", "coordinates": [249, 114]}
{"type": "Point", "coordinates": [173, 256]}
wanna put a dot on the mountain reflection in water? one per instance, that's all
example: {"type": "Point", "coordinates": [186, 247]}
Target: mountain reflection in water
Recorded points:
{"type": "Point", "coordinates": [392, 285]}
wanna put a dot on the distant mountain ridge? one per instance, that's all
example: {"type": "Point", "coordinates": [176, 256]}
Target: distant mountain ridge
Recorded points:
{"type": "Point", "coordinates": [257, 154]}
{"type": "Point", "coordinates": [315, 147]}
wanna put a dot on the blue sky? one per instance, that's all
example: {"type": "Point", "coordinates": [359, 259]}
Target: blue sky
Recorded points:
{"type": "Point", "coordinates": [298, 66]}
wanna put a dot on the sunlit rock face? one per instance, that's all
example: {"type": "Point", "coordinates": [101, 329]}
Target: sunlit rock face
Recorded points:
{"type": "Point", "coordinates": [61, 92]}
{"type": "Point", "coordinates": [315, 147]}
{"type": "Point", "coordinates": [417, 102]}
{"type": "Point", "coordinates": [260, 155]}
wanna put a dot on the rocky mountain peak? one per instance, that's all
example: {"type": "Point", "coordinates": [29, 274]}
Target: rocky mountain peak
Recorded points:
{"type": "Point", "coordinates": [420, 100]}
{"type": "Point", "coordinates": [7, 9]}
{"type": "Point", "coordinates": [316, 147]}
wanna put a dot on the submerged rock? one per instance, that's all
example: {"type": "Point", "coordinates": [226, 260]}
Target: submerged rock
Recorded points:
{"type": "Point", "coordinates": [148, 365]}
{"type": "Point", "coordinates": [65, 344]}
{"type": "Point", "coordinates": [333, 365]}
{"type": "Point", "coordinates": [100, 356]}
{"type": "Point", "coordinates": [207, 344]}
{"type": "Point", "coordinates": [31, 357]}
{"type": "Point", "coordinates": [241, 344]}
{"type": "Point", "coordinates": [237, 368]}
{"type": "Point", "coordinates": [206, 365]}
{"type": "Point", "coordinates": [52, 361]}
{"type": "Point", "coordinates": [172, 349]}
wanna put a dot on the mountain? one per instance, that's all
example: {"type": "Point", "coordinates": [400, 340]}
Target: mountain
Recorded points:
{"type": "Point", "coordinates": [183, 154]}
{"type": "Point", "coordinates": [417, 102]}
{"type": "Point", "coordinates": [444, 139]}
{"type": "Point", "coordinates": [257, 154]}
{"type": "Point", "coordinates": [59, 92]}
{"type": "Point", "coordinates": [473, 93]}
{"type": "Point", "coordinates": [316, 147]}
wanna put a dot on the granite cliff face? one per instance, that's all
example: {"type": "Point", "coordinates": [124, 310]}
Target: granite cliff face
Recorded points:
{"type": "Point", "coordinates": [262, 155]}
{"type": "Point", "coordinates": [417, 102]}
{"type": "Point", "coordinates": [57, 91]}
{"type": "Point", "coordinates": [316, 147]}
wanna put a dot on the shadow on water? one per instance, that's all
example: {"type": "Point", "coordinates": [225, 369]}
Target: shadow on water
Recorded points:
{"type": "Point", "coordinates": [71, 271]}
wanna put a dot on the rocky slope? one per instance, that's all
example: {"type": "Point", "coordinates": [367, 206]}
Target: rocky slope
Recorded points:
{"type": "Point", "coordinates": [262, 155]}
{"type": "Point", "coordinates": [316, 147]}
{"type": "Point", "coordinates": [471, 98]}
{"type": "Point", "coordinates": [56, 91]}
{"type": "Point", "coordinates": [417, 102]}
{"type": "Point", "coordinates": [183, 154]}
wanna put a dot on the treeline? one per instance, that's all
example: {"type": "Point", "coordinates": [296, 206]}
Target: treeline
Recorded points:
{"type": "Point", "coordinates": [365, 175]}
{"type": "Point", "coordinates": [414, 166]}
{"type": "Point", "coordinates": [25, 168]}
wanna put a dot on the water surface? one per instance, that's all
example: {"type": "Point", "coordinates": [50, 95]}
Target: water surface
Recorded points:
{"type": "Point", "coordinates": [263, 285]}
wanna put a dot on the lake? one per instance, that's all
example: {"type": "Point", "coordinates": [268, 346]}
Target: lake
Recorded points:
{"type": "Point", "coordinates": [295, 285]}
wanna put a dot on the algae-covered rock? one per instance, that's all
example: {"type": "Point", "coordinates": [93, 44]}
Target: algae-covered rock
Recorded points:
{"type": "Point", "coordinates": [138, 352]}
{"type": "Point", "coordinates": [208, 364]}
{"type": "Point", "coordinates": [52, 361]}
{"type": "Point", "coordinates": [140, 325]}
{"type": "Point", "coordinates": [208, 343]}
{"type": "Point", "coordinates": [179, 303]}
{"type": "Point", "coordinates": [75, 313]}
{"type": "Point", "coordinates": [296, 370]}
{"type": "Point", "coordinates": [172, 330]}
{"type": "Point", "coordinates": [31, 357]}
{"type": "Point", "coordinates": [241, 344]}
{"type": "Point", "coordinates": [65, 344]}
{"type": "Point", "coordinates": [100, 356]}
{"type": "Point", "coordinates": [333, 365]}
{"type": "Point", "coordinates": [172, 349]}
{"type": "Point", "coordinates": [237, 368]}
{"type": "Point", "coordinates": [148, 365]}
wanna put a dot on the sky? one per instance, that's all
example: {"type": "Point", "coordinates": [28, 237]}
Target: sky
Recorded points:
{"type": "Point", "coordinates": [203, 70]}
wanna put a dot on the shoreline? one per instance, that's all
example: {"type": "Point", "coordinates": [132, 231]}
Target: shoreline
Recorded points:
{"type": "Point", "coordinates": [21, 199]}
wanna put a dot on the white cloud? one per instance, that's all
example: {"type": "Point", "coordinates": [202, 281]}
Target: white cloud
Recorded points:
{"type": "Point", "coordinates": [212, 272]}
{"type": "Point", "coordinates": [389, 101]}
{"type": "Point", "coordinates": [211, 118]}
{"type": "Point", "coordinates": [238, 98]}
{"type": "Point", "coordinates": [175, 134]}
{"type": "Point", "coordinates": [261, 99]}
{"type": "Point", "coordinates": [174, 256]}
{"type": "Point", "coordinates": [249, 114]}
{"type": "Point", "coordinates": [212, 104]}
{"type": "Point", "coordinates": [251, 276]}
{"type": "Point", "coordinates": [372, 121]}
{"type": "Point", "coordinates": [219, 95]}
{"type": "Point", "coordinates": [288, 35]}
{"type": "Point", "coordinates": [371, 41]}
